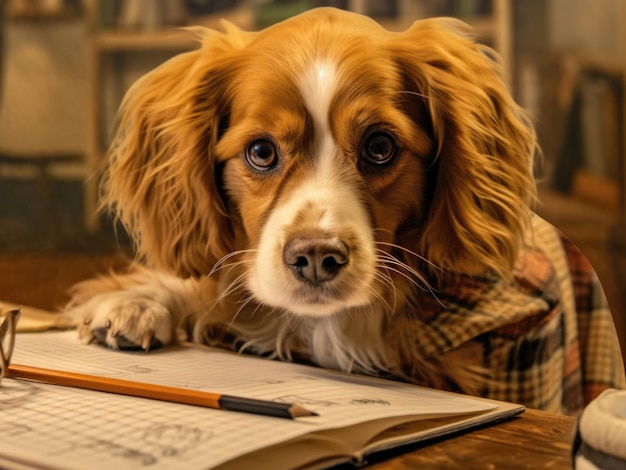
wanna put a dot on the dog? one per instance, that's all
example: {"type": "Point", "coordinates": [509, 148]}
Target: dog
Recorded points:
{"type": "Point", "coordinates": [309, 192]}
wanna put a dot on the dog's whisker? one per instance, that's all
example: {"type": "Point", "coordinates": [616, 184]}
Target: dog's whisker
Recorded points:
{"type": "Point", "coordinates": [426, 287]}
{"type": "Point", "coordinates": [385, 279]}
{"type": "Point", "coordinates": [382, 275]}
{"type": "Point", "coordinates": [387, 259]}
{"type": "Point", "coordinates": [220, 263]}
{"type": "Point", "coordinates": [237, 283]}
{"type": "Point", "coordinates": [410, 252]}
{"type": "Point", "coordinates": [386, 306]}
{"type": "Point", "coordinates": [243, 305]}
{"type": "Point", "coordinates": [412, 280]}
{"type": "Point", "coordinates": [383, 230]}
{"type": "Point", "coordinates": [245, 298]}
{"type": "Point", "coordinates": [234, 285]}
{"type": "Point", "coordinates": [392, 261]}
{"type": "Point", "coordinates": [406, 250]}
{"type": "Point", "coordinates": [229, 265]}
{"type": "Point", "coordinates": [282, 338]}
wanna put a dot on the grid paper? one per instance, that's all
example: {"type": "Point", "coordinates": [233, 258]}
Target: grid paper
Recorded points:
{"type": "Point", "coordinates": [72, 428]}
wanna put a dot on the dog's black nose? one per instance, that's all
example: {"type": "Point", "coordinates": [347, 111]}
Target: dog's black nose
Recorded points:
{"type": "Point", "coordinates": [316, 259]}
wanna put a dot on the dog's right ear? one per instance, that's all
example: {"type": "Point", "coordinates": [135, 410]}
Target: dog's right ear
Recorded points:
{"type": "Point", "coordinates": [162, 181]}
{"type": "Point", "coordinates": [483, 186]}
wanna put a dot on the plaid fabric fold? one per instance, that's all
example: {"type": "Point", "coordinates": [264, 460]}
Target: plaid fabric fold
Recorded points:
{"type": "Point", "coordinates": [548, 340]}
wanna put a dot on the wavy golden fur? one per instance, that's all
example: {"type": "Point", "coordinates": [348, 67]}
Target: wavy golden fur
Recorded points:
{"type": "Point", "coordinates": [455, 199]}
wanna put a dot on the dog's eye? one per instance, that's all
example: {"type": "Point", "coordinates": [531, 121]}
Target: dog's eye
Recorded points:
{"type": "Point", "coordinates": [379, 148]}
{"type": "Point", "coordinates": [262, 155]}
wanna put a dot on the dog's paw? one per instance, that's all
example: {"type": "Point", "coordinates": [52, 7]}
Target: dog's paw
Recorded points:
{"type": "Point", "coordinates": [122, 320]}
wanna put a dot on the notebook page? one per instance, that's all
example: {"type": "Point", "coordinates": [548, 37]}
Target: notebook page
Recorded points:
{"type": "Point", "coordinates": [214, 370]}
{"type": "Point", "coordinates": [339, 399]}
{"type": "Point", "coordinates": [45, 426]}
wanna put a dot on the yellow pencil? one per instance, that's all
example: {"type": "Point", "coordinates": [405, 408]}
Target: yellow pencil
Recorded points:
{"type": "Point", "coordinates": [158, 392]}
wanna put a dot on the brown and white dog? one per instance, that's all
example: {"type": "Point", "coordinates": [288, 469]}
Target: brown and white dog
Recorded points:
{"type": "Point", "coordinates": [301, 191]}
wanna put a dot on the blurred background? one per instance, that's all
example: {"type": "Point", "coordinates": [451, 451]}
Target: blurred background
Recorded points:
{"type": "Point", "coordinates": [65, 65]}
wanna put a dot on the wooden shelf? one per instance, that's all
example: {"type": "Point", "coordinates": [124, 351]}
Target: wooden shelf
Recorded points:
{"type": "Point", "coordinates": [38, 13]}
{"type": "Point", "coordinates": [169, 39]}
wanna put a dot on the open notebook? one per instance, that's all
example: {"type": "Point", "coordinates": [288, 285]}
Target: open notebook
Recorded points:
{"type": "Point", "coordinates": [50, 426]}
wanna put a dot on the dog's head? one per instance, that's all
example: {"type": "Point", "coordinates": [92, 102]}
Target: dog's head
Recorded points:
{"type": "Point", "coordinates": [329, 160]}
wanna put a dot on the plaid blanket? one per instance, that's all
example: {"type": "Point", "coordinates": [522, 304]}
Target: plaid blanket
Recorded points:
{"type": "Point", "coordinates": [547, 340]}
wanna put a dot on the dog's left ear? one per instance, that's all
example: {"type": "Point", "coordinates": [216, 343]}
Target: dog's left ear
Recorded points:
{"type": "Point", "coordinates": [481, 179]}
{"type": "Point", "coordinates": [163, 178]}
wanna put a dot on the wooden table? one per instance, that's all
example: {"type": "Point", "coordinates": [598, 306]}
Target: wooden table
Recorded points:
{"type": "Point", "coordinates": [533, 440]}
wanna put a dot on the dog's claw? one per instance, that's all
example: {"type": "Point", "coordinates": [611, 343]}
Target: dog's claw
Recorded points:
{"type": "Point", "coordinates": [86, 336]}
{"type": "Point", "coordinates": [115, 332]}
{"type": "Point", "coordinates": [87, 320]}
{"type": "Point", "coordinates": [147, 340]}
{"type": "Point", "coordinates": [107, 325]}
